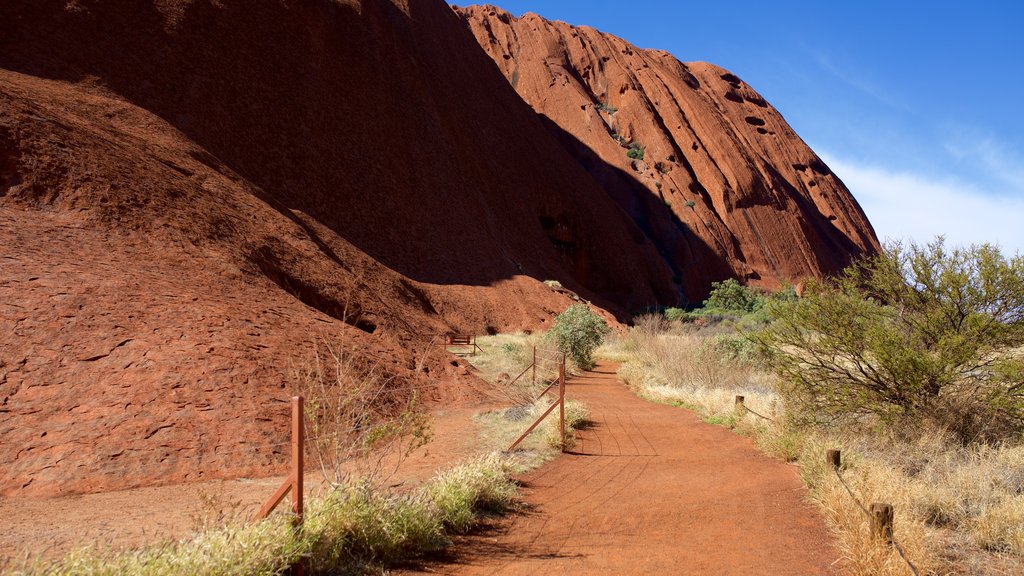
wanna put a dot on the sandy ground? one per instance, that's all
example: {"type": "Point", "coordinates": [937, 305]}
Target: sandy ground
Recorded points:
{"type": "Point", "coordinates": [650, 489]}
{"type": "Point", "coordinates": [53, 526]}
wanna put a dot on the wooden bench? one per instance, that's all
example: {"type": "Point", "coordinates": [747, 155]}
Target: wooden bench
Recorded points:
{"type": "Point", "coordinates": [461, 340]}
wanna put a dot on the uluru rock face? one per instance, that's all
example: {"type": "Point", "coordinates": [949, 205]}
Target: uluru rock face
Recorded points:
{"type": "Point", "coordinates": [724, 188]}
{"type": "Point", "coordinates": [195, 196]}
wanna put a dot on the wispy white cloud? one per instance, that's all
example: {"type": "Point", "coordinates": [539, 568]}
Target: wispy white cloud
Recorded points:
{"type": "Point", "coordinates": [1001, 162]}
{"type": "Point", "coordinates": [906, 205]}
{"type": "Point", "coordinates": [859, 81]}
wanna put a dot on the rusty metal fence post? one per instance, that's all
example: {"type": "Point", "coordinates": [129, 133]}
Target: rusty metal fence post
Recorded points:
{"type": "Point", "coordinates": [293, 483]}
{"type": "Point", "coordinates": [560, 403]}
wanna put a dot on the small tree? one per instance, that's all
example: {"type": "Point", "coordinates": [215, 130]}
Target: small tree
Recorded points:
{"type": "Point", "coordinates": [578, 332]}
{"type": "Point", "coordinates": [915, 332]}
{"type": "Point", "coordinates": [731, 296]}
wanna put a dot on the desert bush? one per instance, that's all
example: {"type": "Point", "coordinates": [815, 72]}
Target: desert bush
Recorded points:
{"type": "Point", "coordinates": [460, 493]}
{"type": "Point", "coordinates": [358, 523]}
{"type": "Point", "coordinates": [731, 296]}
{"type": "Point", "coordinates": [678, 315]}
{"type": "Point", "coordinates": [264, 548]}
{"type": "Point", "coordinates": [357, 416]}
{"type": "Point", "coordinates": [577, 332]}
{"type": "Point", "coordinates": [636, 151]}
{"type": "Point", "coordinates": [943, 491]}
{"type": "Point", "coordinates": [918, 332]}
{"type": "Point", "coordinates": [651, 324]}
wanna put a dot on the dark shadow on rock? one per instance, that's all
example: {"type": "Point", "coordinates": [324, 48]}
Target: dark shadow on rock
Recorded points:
{"type": "Point", "coordinates": [694, 264]}
{"type": "Point", "coordinates": [362, 118]}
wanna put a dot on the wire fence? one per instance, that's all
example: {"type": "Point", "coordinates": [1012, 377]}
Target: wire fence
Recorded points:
{"type": "Point", "coordinates": [742, 406]}
{"type": "Point", "coordinates": [889, 534]}
{"type": "Point", "coordinates": [833, 457]}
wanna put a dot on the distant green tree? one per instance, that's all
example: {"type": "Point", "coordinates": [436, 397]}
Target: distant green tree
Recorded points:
{"type": "Point", "coordinates": [578, 331]}
{"type": "Point", "coordinates": [915, 332]}
{"type": "Point", "coordinates": [731, 296]}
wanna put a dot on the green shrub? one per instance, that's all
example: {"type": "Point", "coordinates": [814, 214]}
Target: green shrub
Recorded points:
{"type": "Point", "coordinates": [690, 203]}
{"type": "Point", "coordinates": [359, 523]}
{"type": "Point", "coordinates": [731, 296]}
{"type": "Point", "coordinates": [577, 332]}
{"type": "Point", "coordinates": [481, 485]}
{"type": "Point", "coordinates": [918, 332]}
{"type": "Point", "coordinates": [636, 151]}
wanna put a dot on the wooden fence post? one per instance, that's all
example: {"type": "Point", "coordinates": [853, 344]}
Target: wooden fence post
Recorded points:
{"type": "Point", "coordinates": [833, 459]}
{"type": "Point", "coordinates": [739, 407]}
{"type": "Point", "coordinates": [881, 521]}
{"type": "Point", "coordinates": [561, 400]}
{"type": "Point", "coordinates": [298, 460]}
{"type": "Point", "coordinates": [534, 365]}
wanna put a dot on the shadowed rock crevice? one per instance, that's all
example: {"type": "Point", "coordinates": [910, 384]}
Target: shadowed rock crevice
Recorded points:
{"type": "Point", "coordinates": [766, 228]}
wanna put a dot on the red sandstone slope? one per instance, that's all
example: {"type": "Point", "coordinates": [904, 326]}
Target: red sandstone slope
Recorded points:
{"type": "Point", "coordinates": [725, 187]}
{"type": "Point", "coordinates": [194, 194]}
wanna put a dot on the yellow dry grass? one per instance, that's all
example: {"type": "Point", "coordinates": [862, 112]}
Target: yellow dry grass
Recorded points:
{"type": "Point", "coordinates": [958, 510]}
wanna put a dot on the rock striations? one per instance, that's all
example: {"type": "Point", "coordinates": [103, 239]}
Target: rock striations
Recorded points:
{"type": "Point", "coordinates": [197, 196]}
{"type": "Point", "coordinates": [706, 167]}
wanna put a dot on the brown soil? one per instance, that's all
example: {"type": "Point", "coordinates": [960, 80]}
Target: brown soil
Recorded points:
{"type": "Point", "coordinates": [194, 196]}
{"type": "Point", "coordinates": [647, 489]}
{"type": "Point", "coordinates": [52, 527]}
{"type": "Point", "coordinates": [650, 489]}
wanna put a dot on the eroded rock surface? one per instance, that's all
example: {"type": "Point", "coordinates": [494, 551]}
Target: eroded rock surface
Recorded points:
{"type": "Point", "coordinates": [724, 187]}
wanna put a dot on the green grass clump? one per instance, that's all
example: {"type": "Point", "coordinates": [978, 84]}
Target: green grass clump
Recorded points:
{"type": "Point", "coordinates": [352, 528]}
{"type": "Point", "coordinates": [360, 524]}
{"type": "Point", "coordinates": [636, 151]}
{"type": "Point", "coordinates": [461, 492]}
{"type": "Point", "coordinates": [263, 548]}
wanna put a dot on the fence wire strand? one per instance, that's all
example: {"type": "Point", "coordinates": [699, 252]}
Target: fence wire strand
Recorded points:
{"type": "Point", "coordinates": [756, 414]}
{"type": "Point", "coordinates": [899, 549]}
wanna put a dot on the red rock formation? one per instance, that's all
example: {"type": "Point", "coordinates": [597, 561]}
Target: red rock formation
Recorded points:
{"type": "Point", "coordinates": [194, 195]}
{"type": "Point", "coordinates": [725, 188]}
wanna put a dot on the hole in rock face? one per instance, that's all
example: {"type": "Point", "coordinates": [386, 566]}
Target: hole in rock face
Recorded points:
{"type": "Point", "coordinates": [761, 130]}
{"type": "Point", "coordinates": [731, 78]}
{"type": "Point", "coordinates": [754, 121]}
{"type": "Point", "coordinates": [691, 81]}
{"type": "Point", "coordinates": [734, 97]}
{"type": "Point", "coordinates": [800, 167]}
{"type": "Point", "coordinates": [818, 166]}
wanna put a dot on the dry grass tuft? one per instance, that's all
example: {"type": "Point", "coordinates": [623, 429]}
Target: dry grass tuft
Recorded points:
{"type": "Point", "coordinates": [958, 510]}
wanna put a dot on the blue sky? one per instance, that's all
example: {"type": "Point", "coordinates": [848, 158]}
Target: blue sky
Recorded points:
{"type": "Point", "coordinates": [917, 106]}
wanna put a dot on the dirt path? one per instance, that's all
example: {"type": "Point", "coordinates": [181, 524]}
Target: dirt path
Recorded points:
{"type": "Point", "coordinates": [651, 489]}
